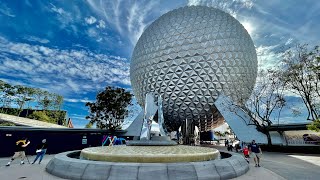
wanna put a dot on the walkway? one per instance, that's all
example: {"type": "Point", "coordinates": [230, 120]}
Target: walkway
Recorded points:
{"type": "Point", "coordinates": [289, 166]}
{"type": "Point", "coordinates": [275, 166]}
{"type": "Point", "coordinates": [26, 171]}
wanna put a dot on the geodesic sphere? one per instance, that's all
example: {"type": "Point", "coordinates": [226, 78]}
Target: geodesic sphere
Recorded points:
{"type": "Point", "coordinates": [190, 55]}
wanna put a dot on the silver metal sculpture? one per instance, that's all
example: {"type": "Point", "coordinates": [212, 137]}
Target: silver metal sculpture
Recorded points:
{"type": "Point", "coordinates": [241, 123]}
{"type": "Point", "coordinates": [162, 127]}
{"type": "Point", "coordinates": [190, 55]}
{"type": "Point", "coordinates": [152, 107]}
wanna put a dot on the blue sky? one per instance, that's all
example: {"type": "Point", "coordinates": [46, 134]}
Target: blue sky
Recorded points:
{"type": "Point", "coordinates": [75, 48]}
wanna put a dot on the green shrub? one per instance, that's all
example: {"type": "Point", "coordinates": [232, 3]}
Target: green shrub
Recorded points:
{"type": "Point", "coordinates": [52, 116]}
{"type": "Point", "coordinates": [7, 124]}
{"type": "Point", "coordinates": [56, 116]}
{"type": "Point", "coordinates": [314, 126]}
{"type": "Point", "coordinates": [10, 111]}
{"type": "Point", "coordinates": [41, 116]}
{"type": "Point", "coordinates": [89, 125]}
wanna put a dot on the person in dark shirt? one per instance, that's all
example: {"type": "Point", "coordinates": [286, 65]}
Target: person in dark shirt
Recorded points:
{"type": "Point", "coordinates": [20, 150]}
{"type": "Point", "coordinates": [255, 150]}
{"type": "Point", "coordinates": [41, 150]}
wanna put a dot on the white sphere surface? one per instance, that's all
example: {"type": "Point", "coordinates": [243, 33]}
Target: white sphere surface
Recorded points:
{"type": "Point", "coordinates": [190, 55]}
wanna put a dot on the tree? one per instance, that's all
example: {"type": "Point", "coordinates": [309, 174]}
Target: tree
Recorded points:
{"type": "Point", "coordinates": [110, 108]}
{"type": "Point", "coordinates": [7, 94]}
{"type": "Point", "coordinates": [227, 133]}
{"type": "Point", "coordinates": [22, 96]}
{"type": "Point", "coordinates": [301, 75]}
{"type": "Point", "coordinates": [89, 125]}
{"type": "Point", "coordinates": [314, 126]}
{"type": "Point", "coordinates": [267, 99]}
{"type": "Point", "coordinates": [30, 98]}
{"type": "Point", "coordinates": [46, 100]}
{"type": "Point", "coordinates": [57, 101]}
{"type": "Point", "coordinates": [219, 134]}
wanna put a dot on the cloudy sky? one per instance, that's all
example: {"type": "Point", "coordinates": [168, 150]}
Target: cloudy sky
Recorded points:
{"type": "Point", "coordinates": [75, 48]}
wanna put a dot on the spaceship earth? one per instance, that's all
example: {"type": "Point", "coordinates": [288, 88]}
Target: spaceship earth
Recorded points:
{"type": "Point", "coordinates": [190, 55]}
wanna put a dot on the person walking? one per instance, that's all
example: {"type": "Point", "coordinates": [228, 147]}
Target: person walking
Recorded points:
{"type": "Point", "coordinates": [246, 154]}
{"type": "Point", "coordinates": [20, 150]}
{"type": "Point", "coordinates": [41, 150]}
{"type": "Point", "coordinates": [255, 150]}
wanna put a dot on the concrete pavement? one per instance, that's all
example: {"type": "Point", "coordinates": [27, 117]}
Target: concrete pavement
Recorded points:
{"type": "Point", "coordinates": [26, 171]}
{"type": "Point", "coordinates": [275, 166]}
{"type": "Point", "coordinates": [293, 166]}
{"type": "Point", "coordinates": [289, 166]}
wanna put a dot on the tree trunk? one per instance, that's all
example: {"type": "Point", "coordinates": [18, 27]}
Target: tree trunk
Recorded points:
{"type": "Point", "coordinates": [267, 133]}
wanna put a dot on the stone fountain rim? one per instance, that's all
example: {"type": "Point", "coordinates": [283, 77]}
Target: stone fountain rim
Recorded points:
{"type": "Point", "coordinates": [191, 154]}
{"type": "Point", "coordinates": [63, 166]}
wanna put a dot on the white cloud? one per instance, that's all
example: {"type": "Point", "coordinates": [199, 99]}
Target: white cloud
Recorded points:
{"type": "Point", "coordinates": [92, 32]}
{"type": "Point", "coordinates": [67, 19]}
{"type": "Point", "coordinates": [90, 20]}
{"type": "Point", "coordinates": [57, 10]}
{"type": "Point", "coordinates": [99, 39]}
{"type": "Point", "coordinates": [63, 71]}
{"type": "Point", "coordinates": [36, 39]}
{"type": "Point", "coordinates": [85, 100]}
{"type": "Point", "coordinates": [130, 20]}
{"type": "Point", "coordinates": [232, 7]}
{"type": "Point", "coordinates": [268, 57]}
{"type": "Point", "coordinates": [101, 24]}
{"type": "Point", "coordinates": [5, 10]}
{"type": "Point", "coordinates": [248, 26]}
{"type": "Point", "coordinates": [137, 19]}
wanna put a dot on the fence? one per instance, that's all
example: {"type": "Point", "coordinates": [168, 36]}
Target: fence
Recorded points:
{"type": "Point", "coordinates": [59, 140]}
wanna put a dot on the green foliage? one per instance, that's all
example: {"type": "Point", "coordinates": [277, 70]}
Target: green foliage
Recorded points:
{"type": "Point", "coordinates": [21, 96]}
{"type": "Point", "coordinates": [10, 111]}
{"type": "Point", "coordinates": [48, 116]}
{"type": "Point", "coordinates": [89, 125]}
{"type": "Point", "coordinates": [41, 116]}
{"type": "Point", "coordinates": [6, 124]}
{"type": "Point", "coordinates": [57, 116]}
{"type": "Point", "coordinates": [110, 108]}
{"type": "Point", "coordinates": [315, 126]}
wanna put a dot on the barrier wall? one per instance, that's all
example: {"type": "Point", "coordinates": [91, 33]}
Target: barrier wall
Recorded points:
{"type": "Point", "coordinates": [59, 140]}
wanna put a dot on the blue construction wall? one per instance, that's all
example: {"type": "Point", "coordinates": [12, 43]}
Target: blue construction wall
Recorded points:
{"type": "Point", "coordinates": [59, 140]}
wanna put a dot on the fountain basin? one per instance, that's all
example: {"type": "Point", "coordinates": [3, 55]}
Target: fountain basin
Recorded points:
{"type": "Point", "coordinates": [66, 165]}
{"type": "Point", "coordinates": [150, 154]}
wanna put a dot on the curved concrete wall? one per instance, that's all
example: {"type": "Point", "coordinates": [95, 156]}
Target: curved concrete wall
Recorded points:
{"type": "Point", "coordinates": [70, 168]}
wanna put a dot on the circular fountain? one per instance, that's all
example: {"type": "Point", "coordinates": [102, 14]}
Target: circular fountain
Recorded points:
{"type": "Point", "coordinates": [150, 154]}
{"type": "Point", "coordinates": [68, 165]}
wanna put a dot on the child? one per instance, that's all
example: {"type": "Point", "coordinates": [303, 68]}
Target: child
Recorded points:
{"type": "Point", "coordinates": [246, 154]}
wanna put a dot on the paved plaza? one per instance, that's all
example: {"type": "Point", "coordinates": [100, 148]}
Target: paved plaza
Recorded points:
{"type": "Point", "coordinates": [274, 166]}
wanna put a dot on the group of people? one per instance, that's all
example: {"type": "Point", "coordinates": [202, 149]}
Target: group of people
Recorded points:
{"type": "Point", "coordinates": [21, 146]}
{"type": "Point", "coordinates": [254, 150]}
{"type": "Point", "coordinates": [230, 146]}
